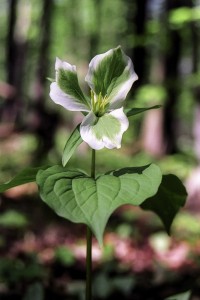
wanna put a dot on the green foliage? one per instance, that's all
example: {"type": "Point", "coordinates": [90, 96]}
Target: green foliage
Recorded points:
{"type": "Point", "coordinates": [134, 111]}
{"type": "Point", "coordinates": [124, 230]}
{"type": "Point", "coordinates": [72, 143]}
{"type": "Point", "coordinates": [64, 255]}
{"type": "Point", "coordinates": [166, 203]}
{"type": "Point", "coordinates": [17, 156]}
{"type": "Point", "coordinates": [110, 35]}
{"type": "Point", "coordinates": [23, 177]}
{"type": "Point", "coordinates": [108, 252]}
{"type": "Point", "coordinates": [187, 226]}
{"type": "Point", "coordinates": [178, 164]}
{"type": "Point", "coordinates": [16, 270]}
{"type": "Point", "coordinates": [180, 15]}
{"type": "Point", "coordinates": [13, 219]}
{"type": "Point", "coordinates": [150, 94]}
{"type": "Point", "coordinates": [81, 199]}
{"type": "Point", "coordinates": [104, 285]}
{"type": "Point", "coordinates": [183, 15]}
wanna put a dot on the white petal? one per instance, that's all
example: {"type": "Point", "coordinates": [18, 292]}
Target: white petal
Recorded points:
{"type": "Point", "coordinates": [119, 93]}
{"type": "Point", "coordinates": [111, 74]}
{"type": "Point", "coordinates": [105, 131]}
{"type": "Point", "coordinates": [87, 134]}
{"type": "Point", "coordinates": [66, 90]}
{"type": "Point", "coordinates": [60, 64]}
{"type": "Point", "coordinates": [93, 65]}
{"type": "Point", "coordinates": [120, 115]}
{"type": "Point", "coordinates": [66, 100]}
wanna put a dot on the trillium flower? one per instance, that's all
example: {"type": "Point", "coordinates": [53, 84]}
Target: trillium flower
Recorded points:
{"type": "Point", "coordinates": [110, 77]}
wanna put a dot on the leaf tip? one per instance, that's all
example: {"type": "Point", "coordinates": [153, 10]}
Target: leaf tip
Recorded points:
{"type": "Point", "coordinates": [63, 162]}
{"type": "Point", "coordinates": [50, 79]}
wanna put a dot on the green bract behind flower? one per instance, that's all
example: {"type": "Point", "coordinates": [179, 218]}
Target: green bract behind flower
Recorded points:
{"type": "Point", "coordinates": [110, 77]}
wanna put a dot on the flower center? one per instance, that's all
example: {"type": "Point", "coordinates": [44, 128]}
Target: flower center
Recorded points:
{"type": "Point", "coordinates": [99, 104]}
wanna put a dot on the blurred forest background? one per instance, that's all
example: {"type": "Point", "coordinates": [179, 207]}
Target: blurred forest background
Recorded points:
{"type": "Point", "coordinates": [42, 256]}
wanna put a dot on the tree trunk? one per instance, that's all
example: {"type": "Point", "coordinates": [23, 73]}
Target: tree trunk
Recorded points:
{"type": "Point", "coordinates": [136, 18]}
{"type": "Point", "coordinates": [173, 88]}
{"type": "Point", "coordinates": [45, 122]}
{"type": "Point", "coordinates": [172, 79]}
{"type": "Point", "coordinates": [139, 52]}
{"type": "Point", "coordinates": [11, 42]}
{"type": "Point", "coordinates": [15, 61]}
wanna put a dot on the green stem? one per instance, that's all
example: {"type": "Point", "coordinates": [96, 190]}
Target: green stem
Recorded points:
{"type": "Point", "coordinates": [88, 292]}
{"type": "Point", "coordinates": [93, 163]}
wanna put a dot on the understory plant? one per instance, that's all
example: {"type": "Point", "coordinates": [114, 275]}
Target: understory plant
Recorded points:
{"type": "Point", "coordinates": [92, 198]}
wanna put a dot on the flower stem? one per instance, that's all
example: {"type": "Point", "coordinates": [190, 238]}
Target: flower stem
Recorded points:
{"type": "Point", "coordinates": [93, 163]}
{"type": "Point", "coordinates": [88, 292]}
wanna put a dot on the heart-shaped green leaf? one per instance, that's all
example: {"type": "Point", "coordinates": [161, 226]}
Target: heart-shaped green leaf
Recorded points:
{"type": "Point", "coordinates": [72, 143]}
{"type": "Point", "coordinates": [171, 196]}
{"type": "Point", "coordinates": [136, 110]}
{"type": "Point", "coordinates": [25, 176]}
{"type": "Point", "coordinates": [82, 199]}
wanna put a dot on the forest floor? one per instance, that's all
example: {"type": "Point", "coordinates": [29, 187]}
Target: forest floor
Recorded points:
{"type": "Point", "coordinates": [43, 256]}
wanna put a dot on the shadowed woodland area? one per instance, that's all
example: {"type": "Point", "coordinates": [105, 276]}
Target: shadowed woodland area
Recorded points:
{"type": "Point", "coordinates": [42, 255]}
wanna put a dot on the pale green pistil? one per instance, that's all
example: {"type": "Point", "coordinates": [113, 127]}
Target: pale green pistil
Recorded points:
{"type": "Point", "coordinates": [99, 104]}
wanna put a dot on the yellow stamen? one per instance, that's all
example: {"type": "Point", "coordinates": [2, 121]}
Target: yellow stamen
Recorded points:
{"type": "Point", "coordinates": [99, 103]}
